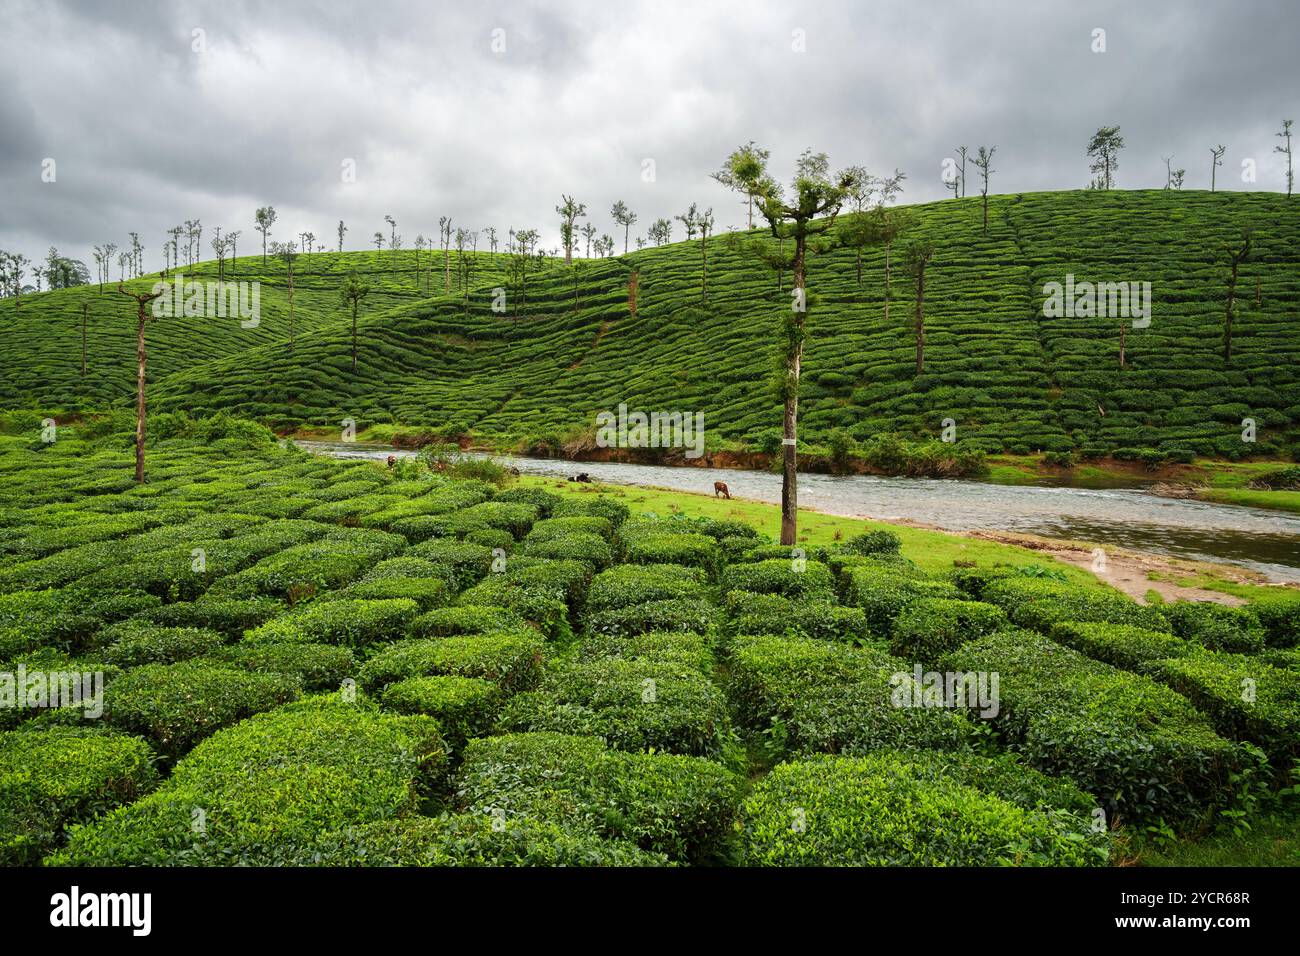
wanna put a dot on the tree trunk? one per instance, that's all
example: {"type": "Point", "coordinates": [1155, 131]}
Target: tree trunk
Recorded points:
{"type": "Point", "coordinates": [920, 318]}
{"type": "Point", "coordinates": [1123, 332]}
{"type": "Point", "coordinates": [986, 213]}
{"type": "Point", "coordinates": [627, 229]}
{"type": "Point", "coordinates": [141, 360]}
{"type": "Point", "coordinates": [1227, 322]}
{"type": "Point", "coordinates": [887, 245]}
{"type": "Point", "coordinates": [790, 418]}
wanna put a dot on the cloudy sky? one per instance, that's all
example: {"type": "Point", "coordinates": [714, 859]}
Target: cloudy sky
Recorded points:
{"type": "Point", "coordinates": [487, 112]}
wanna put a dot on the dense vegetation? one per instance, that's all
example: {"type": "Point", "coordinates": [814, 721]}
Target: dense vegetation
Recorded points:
{"type": "Point", "coordinates": [566, 346]}
{"type": "Point", "coordinates": [311, 662]}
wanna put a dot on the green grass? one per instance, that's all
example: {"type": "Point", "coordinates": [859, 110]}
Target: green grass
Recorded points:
{"type": "Point", "coordinates": [1279, 500]}
{"type": "Point", "coordinates": [1271, 841]}
{"type": "Point", "coordinates": [1012, 380]}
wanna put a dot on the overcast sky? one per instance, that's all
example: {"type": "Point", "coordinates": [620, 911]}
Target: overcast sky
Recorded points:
{"type": "Point", "coordinates": [150, 122]}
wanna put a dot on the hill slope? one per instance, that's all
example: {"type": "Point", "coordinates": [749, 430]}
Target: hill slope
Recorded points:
{"type": "Point", "coordinates": [1009, 377]}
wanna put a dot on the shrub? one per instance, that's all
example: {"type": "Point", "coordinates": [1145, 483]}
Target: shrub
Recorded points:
{"type": "Point", "coordinates": [882, 592]}
{"type": "Point", "coordinates": [1137, 746]}
{"type": "Point", "coordinates": [1041, 604]}
{"type": "Point", "coordinates": [468, 562]}
{"type": "Point", "coordinates": [140, 643]}
{"type": "Point", "coordinates": [628, 585]}
{"type": "Point", "coordinates": [318, 666]}
{"type": "Point", "coordinates": [810, 579]}
{"type": "Point", "coordinates": [680, 806]}
{"type": "Point", "coordinates": [770, 674]}
{"type": "Point", "coordinates": [541, 604]}
{"type": "Point", "coordinates": [1120, 645]}
{"type": "Point", "coordinates": [773, 614]}
{"type": "Point", "coordinates": [512, 660]}
{"type": "Point", "coordinates": [426, 592]}
{"type": "Point", "coordinates": [881, 541]}
{"type": "Point", "coordinates": [1246, 699]}
{"type": "Point", "coordinates": [692, 550]}
{"type": "Point", "coordinates": [544, 501]}
{"type": "Point", "coordinates": [663, 647]}
{"type": "Point", "coordinates": [62, 775]}
{"type": "Point", "coordinates": [514, 517]}
{"type": "Point", "coordinates": [615, 512]}
{"type": "Point", "coordinates": [354, 623]}
{"type": "Point", "coordinates": [575, 546]}
{"type": "Point", "coordinates": [464, 707]}
{"type": "Point", "coordinates": [559, 527]}
{"type": "Point", "coordinates": [1280, 617]}
{"type": "Point", "coordinates": [494, 538]}
{"type": "Point", "coordinates": [930, 627]}
{"type": "Point", "coordinates": [695, 616]}
{"type": "Point", "coordinates": [632, 704]}
{"type": "Point", "coordinates": [270, 786]}
{"type": "Point", "coordinates": [1215, 626]}
{"type": "Point", "coordinates": [893, 809]}
{"type": "Point", "coordinates": [229, 616]}
{"type": "Point", "coordinates": [174, 706]}
{"type": "Point", "coordinates": [471, 619]}
{"type": "Point", "coordinates": [468, 839]}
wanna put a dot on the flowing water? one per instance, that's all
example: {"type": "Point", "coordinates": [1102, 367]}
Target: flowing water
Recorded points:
{"type": "Point", "coordinates": [1266, 541]}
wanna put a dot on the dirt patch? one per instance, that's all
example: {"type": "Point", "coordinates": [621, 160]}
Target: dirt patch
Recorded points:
{"type": "Point", "coordinates": [1130, 571]}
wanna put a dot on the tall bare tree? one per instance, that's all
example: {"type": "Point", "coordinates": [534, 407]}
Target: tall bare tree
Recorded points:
{"type": "Point", "coordinates": [1216, 160]}
{"type": "Point", "coordinates": [1236, 254]}
{"type": "Point", "coordinates": [142, 300]}
{"type": "Point", "coordinates": [983, 162]}
{"type": "Point", "coordinates": [352, 295]}
{"type": "Point", "coordinates": [919, 255]}
{"type": "Point", "coordinates": [804, 219]}
{"type": "Point", "coordinates": [1285, 136]}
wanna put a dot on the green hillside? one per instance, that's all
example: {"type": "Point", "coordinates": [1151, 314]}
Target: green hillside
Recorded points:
{"type": "Point", "coordinates": [1010, 378]}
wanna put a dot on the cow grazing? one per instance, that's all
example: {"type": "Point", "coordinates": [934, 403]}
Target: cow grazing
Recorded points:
{"type": "Point", "coordinates": [720, 488]}
{"type": "Point", "coordinates": [392, 460]}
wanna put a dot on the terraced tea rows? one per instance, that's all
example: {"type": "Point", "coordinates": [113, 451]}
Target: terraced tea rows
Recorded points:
{"type": "Point", "coordinates": [537, 373]}
{"type": "Point", "coordinates": [309, 662]}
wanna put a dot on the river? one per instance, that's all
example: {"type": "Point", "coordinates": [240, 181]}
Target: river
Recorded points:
{"type": "Point", "coordinates": [1255, 538]}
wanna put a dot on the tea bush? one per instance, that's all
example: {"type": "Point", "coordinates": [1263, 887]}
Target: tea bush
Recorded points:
{"type": "Point", "coordinates": [679, 806]}
{"type": "Point", "coordinates": [892, 809]}
{"type": "Point", "coordinates": [1139, 747]}
{"type": "Point", "coordinates": [52, 778]}
{"type": "Point", "coordinates": [270, 784]}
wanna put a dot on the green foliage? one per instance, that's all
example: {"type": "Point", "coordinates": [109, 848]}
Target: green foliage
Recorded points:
{"type": "Point", "coordinates": [959, 811]}
{"type": "Point", "coordinates": [680, 806]}
{"type": "Point", "coordinates": [174, 706]}
{"type": "Point", "coordinates": [1138, 747]}
{"type": "Point", "coordinates": [801, 580]}
{"type": "Point", "coordinates": [930, 627]}
{"type": "Point", "coordinates": [352, 623]}
{"type": "Point", "coordinates": [1215, 626]}
{"type": "Point", "coordinates": [318, 666]}
{"type": "Point", "coordinates": [1246, 699]}
{"type": "Point", "coordinates": [817, 618]}
{"type": "Point", "coordinates": [59, 776]}
{"type": "Point", "coordinates": [1042, 603]}
{"type": "Point", "coordinates": [467, 839]}
{"type": "Point", "coordinates": [1120, 645]}
{"type": "Point", "coordinates": [139, 643]}
{"type": "Point", "coordinates": [465, 707]}
{"type": "Point", "coordinates": [513, 660]}
{"type": "Point", "coordinates": [270, 786]}
{"type": "Point", "coordinates": [635, 705]}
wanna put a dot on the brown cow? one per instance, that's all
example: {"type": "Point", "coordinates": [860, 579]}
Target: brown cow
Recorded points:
{"type": "Point", "coordinates": [720, 488]}
{"type": "Point", "coordinates": [392, 460]}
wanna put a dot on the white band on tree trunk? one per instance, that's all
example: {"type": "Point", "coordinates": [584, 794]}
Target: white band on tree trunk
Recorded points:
{"type": "Point", "coordinates": [788, 441]}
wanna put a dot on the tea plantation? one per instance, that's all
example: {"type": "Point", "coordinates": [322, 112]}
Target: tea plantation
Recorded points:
{"type": "Point", "coordinates": [534, 373]}
{"type": "Point", "coordinates": [311, 662]}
